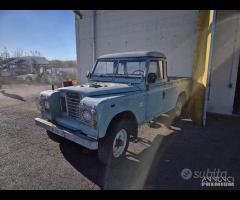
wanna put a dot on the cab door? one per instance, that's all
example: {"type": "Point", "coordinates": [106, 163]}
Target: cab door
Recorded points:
{"type": "Point", "coordinates": [155, 94]}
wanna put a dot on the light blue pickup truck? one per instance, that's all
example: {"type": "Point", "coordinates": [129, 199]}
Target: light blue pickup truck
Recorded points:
{"type": "Point", "coordinates": [123, 91]}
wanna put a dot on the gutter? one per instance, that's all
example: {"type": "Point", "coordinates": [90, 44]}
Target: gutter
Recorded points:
{"type": "Point", "coordinates": [78, 13]}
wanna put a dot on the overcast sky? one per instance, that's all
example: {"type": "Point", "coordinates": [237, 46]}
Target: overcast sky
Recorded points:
{"type": "Point", "coordinates": [52, 33]}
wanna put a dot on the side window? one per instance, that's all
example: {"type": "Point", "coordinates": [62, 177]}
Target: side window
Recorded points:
{"type": "Point", "coordinates": [153, 67]}
{"type": "Point", "coordinates": [135, 67]}
{"type": "Point", "coordinates": [121, 68]}
{"type": "Point", "coordinates": [161, 69]}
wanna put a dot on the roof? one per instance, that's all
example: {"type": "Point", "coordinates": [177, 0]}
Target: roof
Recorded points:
{"type": "Point", "coordinates": [35, 60]}
{"type": "Point", "coordinates": [134, 54]}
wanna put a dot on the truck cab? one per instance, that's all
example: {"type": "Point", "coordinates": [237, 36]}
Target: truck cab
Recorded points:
{"type": "Point", "coordinates": [123, 91]}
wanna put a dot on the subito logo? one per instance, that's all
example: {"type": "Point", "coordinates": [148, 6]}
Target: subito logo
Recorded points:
{"type": "Point", "coordinates": [186, 174]}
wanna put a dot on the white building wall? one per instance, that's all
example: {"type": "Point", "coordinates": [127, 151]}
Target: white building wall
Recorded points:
{"type": "Point", "coordinates": [84, 40]}
{"type": "Point", "coordinates": [170, 32]}
{"type": "Point", "coordinates": [225, 62]}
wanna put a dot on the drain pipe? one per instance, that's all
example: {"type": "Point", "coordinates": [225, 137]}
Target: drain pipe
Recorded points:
{"type": "Point", "coordinates": [94, 36]}
{"type": "Point", "coordinates": [78, 17]}
{"type": "Point", "coordinates": [209, 68]}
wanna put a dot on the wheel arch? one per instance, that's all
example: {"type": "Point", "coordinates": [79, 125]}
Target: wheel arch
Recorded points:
{"type": "Point", "coordinates": [131, 118]}
{"type": "Point", "coordinates": [183, 95]}
{"type": "Point", "coordinates": [29, 78]}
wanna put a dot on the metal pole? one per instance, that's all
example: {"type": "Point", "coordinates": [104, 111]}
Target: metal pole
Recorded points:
{"type": "Point", "coordinates": [94, 36]}
{"type": "Point", "coordinates": [209, 67]}
{"type": "Point", "coordinates": [78, 17]}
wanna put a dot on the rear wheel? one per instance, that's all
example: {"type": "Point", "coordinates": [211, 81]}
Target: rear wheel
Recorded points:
{"type": "Point", "coordinates": [113, 146]}
{"type": "Point", "coordinates": [179, 106]}
{"type": "Point", "coordinates": [29, 79]}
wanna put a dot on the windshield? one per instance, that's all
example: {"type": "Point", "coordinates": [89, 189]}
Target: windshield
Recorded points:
{"type": "Point", "coordinates": [120, 67]}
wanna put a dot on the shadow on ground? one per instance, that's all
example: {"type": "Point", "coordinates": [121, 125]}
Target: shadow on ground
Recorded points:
{"type": "Point", "coordinates": [159, 165]}
{"type": "Point", "coordinates": [14, 96]}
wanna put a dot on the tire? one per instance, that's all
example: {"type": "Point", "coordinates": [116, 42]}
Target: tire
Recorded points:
{"type": "Point", "coordinates": [179, 106]}
{"type": "Point", "coordinates": [112, 148]}
{"type": "Point", "coordinates": [29, 79]}
{"type": "Point", "coordinates": [55, 137]}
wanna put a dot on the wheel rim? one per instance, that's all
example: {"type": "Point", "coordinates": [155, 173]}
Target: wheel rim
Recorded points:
{"type": "Point", "coordinates": [178, 108]}
{"type": "Point", "coordinates": [119, 143]}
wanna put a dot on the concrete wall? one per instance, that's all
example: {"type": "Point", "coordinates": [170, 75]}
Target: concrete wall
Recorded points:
{"type": "Point", "coordinates": [171, 32]}
{"type": "Point", "coordinates": [225, 62]}
{"type": "Point", "coordinates": [84, 44]}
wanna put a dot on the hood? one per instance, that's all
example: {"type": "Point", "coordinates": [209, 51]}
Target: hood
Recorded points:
{"type": "Point", "coordinates": [98, 88]}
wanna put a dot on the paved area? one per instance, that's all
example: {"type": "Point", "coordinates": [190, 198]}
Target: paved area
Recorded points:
{"type": "Point", "coordinates": [30, 160]}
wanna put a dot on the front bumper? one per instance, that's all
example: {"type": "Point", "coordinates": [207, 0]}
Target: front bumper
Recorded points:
{"type": "Point", "coordinates": [75, 137]}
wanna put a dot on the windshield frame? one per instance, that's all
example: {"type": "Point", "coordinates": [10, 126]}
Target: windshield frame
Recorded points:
{"type": "Point", "coordinates": [116, 63]}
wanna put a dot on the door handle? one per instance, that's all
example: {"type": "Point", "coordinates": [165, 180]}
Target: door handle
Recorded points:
{"type": "Point", "coordinates": [163, 95]}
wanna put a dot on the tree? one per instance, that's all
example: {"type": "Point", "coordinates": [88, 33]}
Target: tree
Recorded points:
{"type": "Point", "coordinates": [4, 54]}
{"type": "Point", "coordinates": [18, 53]}
{"type": "Point", "coordinates": [35, 53]}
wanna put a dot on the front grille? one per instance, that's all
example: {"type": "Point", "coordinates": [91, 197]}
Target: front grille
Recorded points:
{"type": "Point", "coordinates": [63, 104]}
{"type": "Point", "coordinates": [73, 105]}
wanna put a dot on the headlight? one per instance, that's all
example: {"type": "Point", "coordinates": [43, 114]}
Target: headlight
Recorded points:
{"type": "Point", "coordinates": [87, 115]}
{"type": "Point", "coordinates": [46, 105]}
{"type": "Point", "coordinates": [39, 104]}
{"type": "Point", "coordinates": [93, 111]}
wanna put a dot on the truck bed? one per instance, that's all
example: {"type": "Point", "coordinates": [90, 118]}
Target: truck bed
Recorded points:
{"type": "Point", "coordinates": [183, 84]}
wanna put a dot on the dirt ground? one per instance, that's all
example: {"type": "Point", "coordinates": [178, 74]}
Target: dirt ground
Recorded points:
{"type": "Point", "coordinates": [30, 160]}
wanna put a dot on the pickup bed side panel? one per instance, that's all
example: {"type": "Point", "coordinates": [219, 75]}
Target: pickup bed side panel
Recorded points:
{"type": "Point", "coordinates": [108, 109]}
{"type": "Point", "coordinates": [171, 94]}
{"type": "Point", "coordinates": [174, 89]}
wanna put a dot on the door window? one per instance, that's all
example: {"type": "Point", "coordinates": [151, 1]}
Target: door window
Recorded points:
{"type": "Point", "coordinates": [161, 70]}
{"type": "Point", "coordinates": [153, 67]}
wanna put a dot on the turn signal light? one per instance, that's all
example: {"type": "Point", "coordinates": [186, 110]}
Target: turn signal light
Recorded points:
{"type": "Point", "coordinates": [69, 83]}
{"type": "Point", "coordinates": [93, 123]}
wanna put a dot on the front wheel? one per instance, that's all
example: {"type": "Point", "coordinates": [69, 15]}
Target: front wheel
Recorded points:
{"type": "Point", "coordinates": [113, 146]}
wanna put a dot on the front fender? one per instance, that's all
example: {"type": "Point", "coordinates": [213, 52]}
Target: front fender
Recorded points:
{"type": "Point", "coordinates": [108, 109]}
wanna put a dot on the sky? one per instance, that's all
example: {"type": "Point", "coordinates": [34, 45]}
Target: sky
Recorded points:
{"type": "Point", "coordinates": [50, 32]}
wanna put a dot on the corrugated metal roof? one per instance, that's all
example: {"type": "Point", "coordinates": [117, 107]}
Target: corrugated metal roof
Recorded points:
{"type": "Point", "coordinates": [134, 54]}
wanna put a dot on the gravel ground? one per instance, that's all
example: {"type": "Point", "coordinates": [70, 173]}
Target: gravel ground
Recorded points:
{"type": "Point", "coordinates": [30, 160]}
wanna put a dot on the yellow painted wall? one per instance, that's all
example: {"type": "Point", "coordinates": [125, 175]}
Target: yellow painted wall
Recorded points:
{"type": "Point", "coordinates": [200, 66]}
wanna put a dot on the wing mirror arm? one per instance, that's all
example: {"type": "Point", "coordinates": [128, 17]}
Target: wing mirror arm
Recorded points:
{"type": "Point", "coordinates": [88, 75]}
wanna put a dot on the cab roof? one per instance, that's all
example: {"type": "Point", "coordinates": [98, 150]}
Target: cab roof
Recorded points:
{"type": "Point", "coordinates": [134, 54]}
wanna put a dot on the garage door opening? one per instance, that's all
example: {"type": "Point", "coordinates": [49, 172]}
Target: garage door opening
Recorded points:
{"type": "Point", "coordinates": [236, 107]}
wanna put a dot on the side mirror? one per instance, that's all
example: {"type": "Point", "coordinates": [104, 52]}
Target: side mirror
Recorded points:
{"type": "Point", "coordinates": [152, 77]}
{"type": "Point", "coordinates": [88, 74]}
